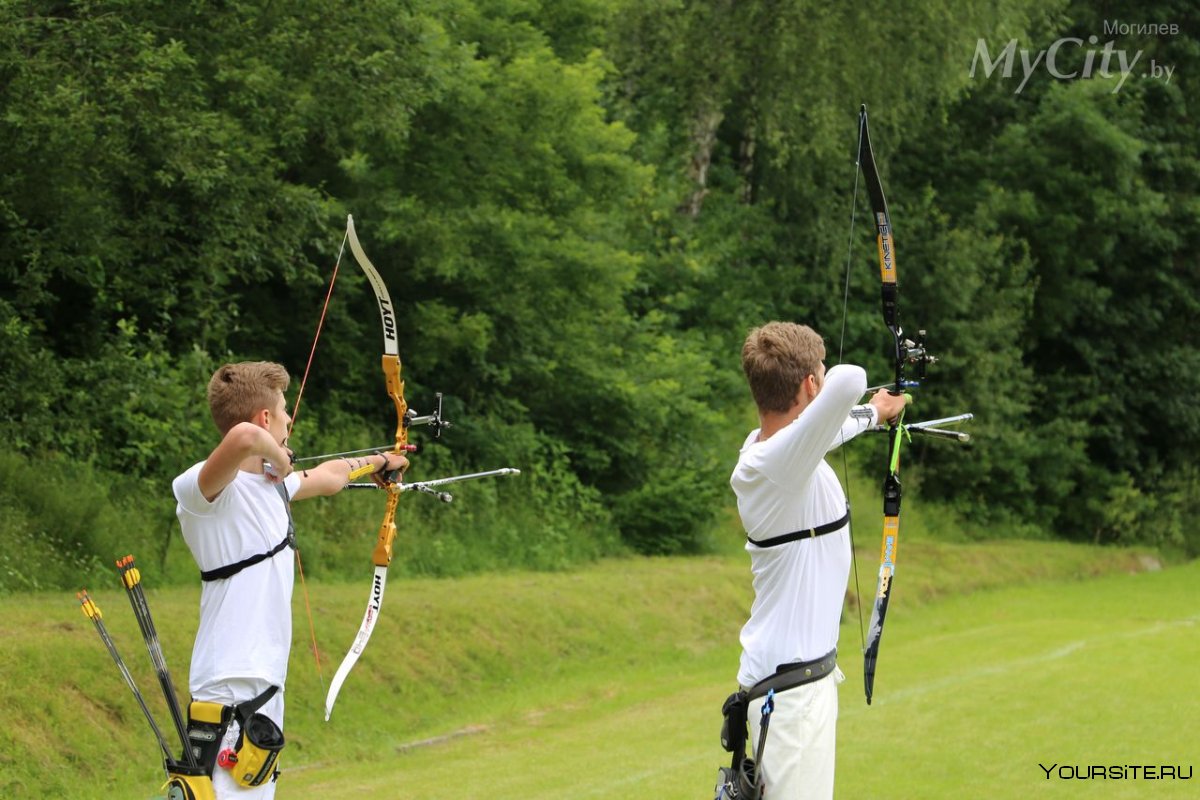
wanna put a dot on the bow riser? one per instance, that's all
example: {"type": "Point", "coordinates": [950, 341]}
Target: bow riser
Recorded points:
{"type": "Point", "coordinates": [395, 390]}
{"type": "Point", "coordinates": [381, 556]}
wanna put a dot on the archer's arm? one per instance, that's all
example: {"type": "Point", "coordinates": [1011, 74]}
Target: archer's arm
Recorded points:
{"type": "Point", "coordinates": [882, 408]}
{"type": "Point", "coordinates": [794, 452]}
{"type": "Point", "coordinates": [243, 441]}
{"type": "Point", "coordinates": [330, 477]}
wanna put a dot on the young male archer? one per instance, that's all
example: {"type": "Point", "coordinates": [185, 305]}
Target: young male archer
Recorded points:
{"type": "Point", "coordinates": [796, 519]}
{"type": "Point", "coordinates": [233, 509]}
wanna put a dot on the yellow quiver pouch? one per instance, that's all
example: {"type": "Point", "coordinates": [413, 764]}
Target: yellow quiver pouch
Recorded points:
{"type": "Point", "coordinates": [206, 727]}
{"type": "Point", "coordinates": [258, 744]}
{"type": "Point", "coordinates": [188, 783]}
{"type": "Point", "coordinates": [254, 757]}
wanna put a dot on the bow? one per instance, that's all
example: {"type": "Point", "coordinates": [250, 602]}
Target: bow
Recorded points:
{"type": "Point", "coordinates": [382, 554]}
{"type": "Point", "coordinates": [905, 353]}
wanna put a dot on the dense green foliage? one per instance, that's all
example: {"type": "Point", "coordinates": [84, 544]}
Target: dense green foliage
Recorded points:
{"type": "Point", "coordinates": [580, 207]}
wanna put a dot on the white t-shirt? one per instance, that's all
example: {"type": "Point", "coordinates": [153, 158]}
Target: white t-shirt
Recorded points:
{"type": "Point", "coordinates": [245, 629]}
{"type": "Point", "coordinates": [784, 485]}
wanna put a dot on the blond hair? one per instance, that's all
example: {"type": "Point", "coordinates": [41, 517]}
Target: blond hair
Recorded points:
{"type": "Point", "coordinates": [239, 391]}
{"type": "Point", "coordinates": [776, 358]}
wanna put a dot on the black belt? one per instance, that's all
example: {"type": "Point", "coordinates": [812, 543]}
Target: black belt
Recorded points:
{"type": "Point", "coordinates": [807, 533]}
{"type": "Point", "coordinates": [798, 673]}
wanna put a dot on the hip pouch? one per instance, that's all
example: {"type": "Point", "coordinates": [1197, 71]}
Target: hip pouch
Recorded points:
{"type": "Point", "coordinates": [188, 783]}
{"type": "Point", "coordinates": [207, 723]}
{"type": "Point", "coordinates": [253, 759]}
{"type": "Point", "coordinates": [738, 781]}
{"type": "Point", "coordinates": [259, 742]}
{"type": "Point", "coordinates": [733, 728]}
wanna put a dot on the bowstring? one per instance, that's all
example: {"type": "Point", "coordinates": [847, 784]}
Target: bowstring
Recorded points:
{"type": "Point", "coordinates": [312, 631]}
{"type": "Point", "coordinates": [841, 345]}
{"type": "Point", "coordinates": [316, 337]}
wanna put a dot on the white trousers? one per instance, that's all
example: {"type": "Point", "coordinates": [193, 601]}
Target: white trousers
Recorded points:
{"type": "Point", "coordinates": [239, 691]}
{"type": "Point", "coordinates": [798, 759]}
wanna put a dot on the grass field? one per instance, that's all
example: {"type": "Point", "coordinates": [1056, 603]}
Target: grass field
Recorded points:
{"type": "Point", "coordinates": [608, 682]}
{"type": "Point", "coordinates": [973, 694]}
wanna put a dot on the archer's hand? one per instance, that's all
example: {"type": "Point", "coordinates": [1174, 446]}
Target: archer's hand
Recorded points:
{"type": "Point", "coordinates": [391, 470]}
{"type": "Point", "coordinates": [279, 466]}
{"type": "Point", "coordinates": [889, 405]}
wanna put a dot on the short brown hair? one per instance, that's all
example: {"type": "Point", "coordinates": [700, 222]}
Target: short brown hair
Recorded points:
{"type": "Point", "coordinates": [776, 358]}
{"type": "Point", "coordinates": [239, 391]}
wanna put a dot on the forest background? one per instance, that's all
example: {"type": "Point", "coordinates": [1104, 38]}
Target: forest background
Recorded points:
{"type": "Point", "coordinates": [580, 207]}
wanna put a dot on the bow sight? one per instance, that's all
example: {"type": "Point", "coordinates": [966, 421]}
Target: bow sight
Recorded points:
{"type": "Point", "coordinates": [434, 420]}
{"type": "Point", "coordinates": [914, 353]}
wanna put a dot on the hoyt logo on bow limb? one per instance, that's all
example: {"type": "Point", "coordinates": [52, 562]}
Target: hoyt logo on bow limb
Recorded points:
{"type": "Point", "coordinates": [373, 607]}
{"type": "Point", "coordinates": [376, 598]}
{"type": "Point", "coordinates": [389, 319]}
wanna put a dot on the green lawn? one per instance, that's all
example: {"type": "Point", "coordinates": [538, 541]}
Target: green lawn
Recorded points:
{"type": "Point", "coordinates": [608, 681]}
{"type": "Point", "coordinates": [972, 695]}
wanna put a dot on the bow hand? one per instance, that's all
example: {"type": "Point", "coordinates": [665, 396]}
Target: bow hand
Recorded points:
{"type": "Point", "coordinates": [391, 471]}
{"type": "Point", "coordinates": [889, 405]}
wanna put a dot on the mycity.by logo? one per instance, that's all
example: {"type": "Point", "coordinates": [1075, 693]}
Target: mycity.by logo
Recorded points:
{"type": "Point", "coordinates": [1097, 61]}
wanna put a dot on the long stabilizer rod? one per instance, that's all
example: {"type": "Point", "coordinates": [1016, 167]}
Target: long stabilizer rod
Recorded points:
{"type": "Point", "coordinates": [428, 487]}
{"type": "Point", "coordinates": [930, 427]}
